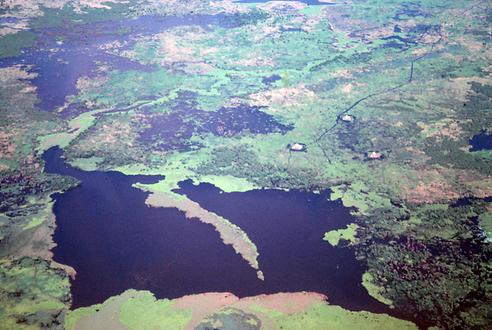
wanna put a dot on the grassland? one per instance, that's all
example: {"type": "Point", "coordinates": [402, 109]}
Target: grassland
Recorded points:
{"type": "Point", "coordinates": [415, 76]}
{"type": "Point", "coordinates": [141, 310]}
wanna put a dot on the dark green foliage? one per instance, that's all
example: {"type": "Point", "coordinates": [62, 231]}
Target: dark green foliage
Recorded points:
{"type": "Point", "coordinates": [448, 152]}
{"type": "Point", "coordinates": [53, 17]}
{"type": "Point", "coordinates": [33, 293]}
{"type": "Point", "coordinates": [242, 162]}
{"type": "Point", "coordinates": [12, 44]}
{"type": "Point", "coordinates": [20, 186]}
{"type": "Point", "coordinates": [478, 107]}
{"type": "Point", "coordinates": [231, 318]}
{"type": "Point", "coordinates": [434, 279]}
{"type": "Point", "coordinates": [476, 115]}
{"type": "Point", "coordinates": [252, 18]}
{"type": "Point", "coordinates": [408, 268]}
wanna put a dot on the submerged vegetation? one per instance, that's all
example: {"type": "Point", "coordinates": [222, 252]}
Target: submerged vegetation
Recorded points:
{"type": "Point", "coordinates": [383, 105]}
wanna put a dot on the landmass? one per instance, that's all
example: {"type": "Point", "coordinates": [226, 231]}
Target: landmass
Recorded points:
{"type": "Point", "coordinates": [141, 310]}
{"type": "Point", "coordinates": [214, 92]}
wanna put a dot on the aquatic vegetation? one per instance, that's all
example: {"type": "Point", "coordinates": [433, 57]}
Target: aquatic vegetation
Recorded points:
{"type": "Point", "coordinates": [12, 44]}
{"type": "Point", "coordinates": [132, 309]}
{"type": "Point", "coordinates": [228, 183]}
{"type": "Point", "coordinates": [230, 233]}
{"type": "Point", "coordinates": [215, 91]}
{"type": "Point", "coordinates": [33, 294]}
{"type": "Point", "coordinates": [430, 257]}
{"type": "Point", "coordinates": [141, 310]}
{"type": "Point", "coordinates": [174, 131]}
{"type": "Point", "coordinates": [486, 224]}
{"type": "Point", "coordinates": [322, 315]}
{"type": "Point", "coordinates": [374, 290]}
{"type": "Point", "coordinates": [75, 127]}
{"type": "Point", "coordinates": [231, 318]}
{"type": "Point", "coordinates": [348, 234]}
{"type": "Point", "coordinates": [146, 312]}
{"type": "Point", "coordinates": [358, 195]}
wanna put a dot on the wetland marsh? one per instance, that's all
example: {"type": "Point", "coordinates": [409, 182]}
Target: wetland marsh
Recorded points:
{"type": "Point", "coordinates": [245, 164]}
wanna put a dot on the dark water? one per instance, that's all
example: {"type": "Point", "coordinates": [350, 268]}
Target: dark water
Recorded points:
{"type": "Point", "coordinates": [470, 200]}
{"type": "Point", "coordinates": [481, 141]}
{"type": "Point", "coordinates": [398, 42]}
{"type": "Point", "coordinates": [287, 228]}
{"type": "Point", "coordinates": [174, 130]}
{"type": "Point", "coordinates": [115, 242]}
{"type": "Point", "coordinates": [409, 9]}
{"type": "Point", "coordinates": [59, 65]}
{"type": "Point", "coordinates": [6, 20]}
{"type": "Point", "coordinates": [271, 79]}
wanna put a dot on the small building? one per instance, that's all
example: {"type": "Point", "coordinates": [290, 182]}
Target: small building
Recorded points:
{"type": "Point", "coordinates": [374, 155]}
{"type": "Point", "coordinates": [347, 118]}
{"type": "Point", "coordinates": [297, 146]}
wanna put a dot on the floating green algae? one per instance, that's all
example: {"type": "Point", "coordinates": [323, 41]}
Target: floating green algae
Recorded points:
{"type": "Point", "coordinates": [347, 234]}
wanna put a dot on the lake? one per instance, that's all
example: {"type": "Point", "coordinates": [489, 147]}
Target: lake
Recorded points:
{"type": "Point", "coordinates": [116, 242]}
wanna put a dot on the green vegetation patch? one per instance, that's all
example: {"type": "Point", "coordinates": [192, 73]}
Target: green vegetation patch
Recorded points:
{"type": "Point", "coordinates": [347, 234]}
{"type": "Point", "coordinates": [485, 221]}
{"type": "Point", "coordinates": [32, 293]}
{"type": "Point", "coordinates": [228, 183]}
{"type": "Point", "coordinates": [361, 197]}
{"type": "Point", "coordinates": [144, 311]}
{"type": "Point", "coordinates": [133, 310]}
{"type": "Point", "coordinates": [141, 310]}
{"type": "Point", "coordinates": [374, 290]}
{"type": "Point", "coordinates": [230, 318]}
{"type": "Point", "coordinates": [416, 83]}
{"type": "Point", "coordinates": [324, 316]}
{"type": "Point", "coordinates": [12, 44]}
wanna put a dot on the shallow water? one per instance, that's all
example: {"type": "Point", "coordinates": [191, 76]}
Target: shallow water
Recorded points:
{"type": "Point", "coordinates": [115, 242]}
{"type": "Point", "coordinates": [62, 55]}
{"type": "Point", "coordinates": [174, 130]}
